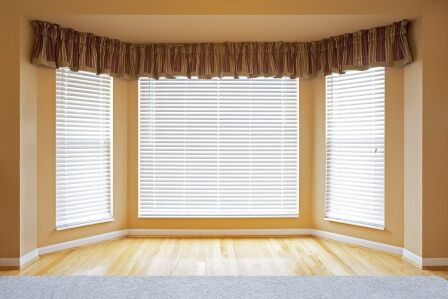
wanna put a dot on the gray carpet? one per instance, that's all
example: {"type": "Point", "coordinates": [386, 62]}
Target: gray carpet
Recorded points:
{"type": "Point", "coordinates": [224, 287]}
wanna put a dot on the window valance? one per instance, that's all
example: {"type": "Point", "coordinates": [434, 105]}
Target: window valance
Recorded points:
{"type": "Point", "coordinates": [62, 47]}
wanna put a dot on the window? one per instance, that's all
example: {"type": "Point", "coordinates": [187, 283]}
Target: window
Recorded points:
{"type": "Point", "coordinates": [355, 148]}
{"type": "Point", "coordinates": [218, 148]}
{"type": "Point", "coordinates": [83, 148]}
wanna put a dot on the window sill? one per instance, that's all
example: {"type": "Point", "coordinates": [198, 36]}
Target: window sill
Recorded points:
{"type": "Point", "coordinates": [355, 223]}
{"type": "Point", "coordinates": [217, 217]}
{"type": "Point", "coordinates": [84, 224]}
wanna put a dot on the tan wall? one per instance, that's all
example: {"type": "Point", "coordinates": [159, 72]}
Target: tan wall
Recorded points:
{"type": "Point", "coordinates": [393, 232]}
{"type": "Point", "coordinates": [10, 138]}
{"type": "Point", "coordinates": [435, 130]}
{"type": "Point", "coordinates": [426, 138]}
{"type": "Point", "coordinates": [413, 144]}
{"type": "Point", "coordinates": [215, 7]}
{"type": "Point", "coordinates": [28, 141]}
{"type": "Point", "coordinates": [46, 166]}
{"type": "Point", "coordinates": [428, 73]}
{"type": "Point", "coordinates": [304, 220]}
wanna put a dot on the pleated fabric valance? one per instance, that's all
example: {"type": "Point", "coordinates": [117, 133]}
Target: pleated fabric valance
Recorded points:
{"type": "Point", "coordinates": [62, 47]}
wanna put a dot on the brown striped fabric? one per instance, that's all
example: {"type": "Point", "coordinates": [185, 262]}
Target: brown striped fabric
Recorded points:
{"type": "Point", "coordinates": [381, 46]}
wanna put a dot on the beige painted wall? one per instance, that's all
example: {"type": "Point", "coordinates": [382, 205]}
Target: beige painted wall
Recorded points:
{"type": "Point", "coordinates": [435, 130]}
{"type": "Point", "coordinates": [426, 137]}
{"type": "Point", "coordinates": [214, 7]}
{"type": "Point", "coordinates": [46, 166]}
{"type": "Point", "coordinates": [304, 220]}
{"type": "Point", "coordinates": [10, 138]}
{"type": "Point", "coordinates": [428, 73]}
{"type": "Point", "coordinates": [393, 232]}
{"type": "Point", "coordinates": [28, 141]}
{"type": "Point", "coordinates": [413, 144]}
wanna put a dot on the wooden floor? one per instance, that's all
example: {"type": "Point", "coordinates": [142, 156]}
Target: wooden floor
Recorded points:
{"type": "Point", "coordinates": [220, 256]}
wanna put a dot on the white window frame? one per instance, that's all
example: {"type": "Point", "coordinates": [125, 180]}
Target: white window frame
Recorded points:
{"type": "Point", "coordinates": [77, 92]}
{"type": "Point", "coordinates": [143, 214]}
{"type": "Point", "coordinates": [355, 151]}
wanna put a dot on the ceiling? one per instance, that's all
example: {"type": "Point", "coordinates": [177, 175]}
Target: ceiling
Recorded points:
{"type": "Point", "coordinates": [218, 28]}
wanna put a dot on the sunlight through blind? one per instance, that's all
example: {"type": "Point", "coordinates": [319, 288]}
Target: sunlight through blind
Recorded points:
{"type": "Point", "coordinates": [218, 148]}
{"type": "Point", "coordinates": [355, 148]}
{"type": "Point", "coordinates": [83, 148]}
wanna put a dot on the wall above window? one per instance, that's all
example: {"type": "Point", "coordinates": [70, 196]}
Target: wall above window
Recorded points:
{"type": "Point", "coordinates": [219, 28]}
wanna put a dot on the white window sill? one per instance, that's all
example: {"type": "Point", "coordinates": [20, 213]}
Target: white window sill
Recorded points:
{"type": "Point", "coordinates": [355, 223]}
{"type": "Point", "coordinates": [217, 217]}
{"type": "Point", "coordinates": [59, 228]}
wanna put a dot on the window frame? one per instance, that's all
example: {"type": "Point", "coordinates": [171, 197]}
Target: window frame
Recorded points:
{"type": "Point", "coordinates": [379, 71]}
{"type": "Point", "coordinates": [296, 215]}
{"type": "Point", "coordinates": [109, 215]}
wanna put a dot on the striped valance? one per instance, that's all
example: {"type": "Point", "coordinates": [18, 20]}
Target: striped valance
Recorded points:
{"type": "Point", "coordinates": [62, 47]}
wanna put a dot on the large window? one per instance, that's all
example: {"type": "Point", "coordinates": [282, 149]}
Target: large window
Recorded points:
{"type": "Point", "coordinates": [83, 148]}
{"type": "Point", "coordinates": [218, 148]}
{"type": "Point", "coordinates": [355, 148]}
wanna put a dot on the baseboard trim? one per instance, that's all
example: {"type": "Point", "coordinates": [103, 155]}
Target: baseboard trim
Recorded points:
{"type": "Point", "coordinates": [435, 262]}
{"type": "Point", "coordinates": [359, 242]}
{"type": "Point", "coordinates": [28, 257]}
{"type": "Point", "coordinates": [16, 263]}
{"type": "Point", "coordinates": [10, 263]}
{"type": "Point", "coordinates": [83, 241]}
{"type": "Point", "coordinates": [425, 262]}
{"type": "Point", "coordinates": [218, 232]}
{"type": "Point", "coordinates": [413, 258]}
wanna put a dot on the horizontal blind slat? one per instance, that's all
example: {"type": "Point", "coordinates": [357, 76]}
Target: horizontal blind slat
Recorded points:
{"type": "Point", "coordinates": [220, 147]}
{"type": "Point", "coordinates": [83, 148]}
{"type": "Point", "coordinates": [355, 147]}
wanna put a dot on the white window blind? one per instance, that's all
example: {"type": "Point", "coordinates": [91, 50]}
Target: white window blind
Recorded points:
{"type": "Point", "coordinates": [218, 148]}
{"type": "Point", "coordinates": [83, 148]}
{"type": "Point", "coordinates": [355, 148]}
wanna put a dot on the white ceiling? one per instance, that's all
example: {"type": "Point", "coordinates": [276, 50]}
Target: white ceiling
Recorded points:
{"type": "Point", "coordinates": [218, 28]}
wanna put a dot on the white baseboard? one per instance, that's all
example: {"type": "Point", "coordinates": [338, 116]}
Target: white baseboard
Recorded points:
{"type": "Point", "coordinates": [19, 261]}
{"type": "Point", "coordinates": [431, 262]}
{"type": "Point", "coordinates": [357, 241]}
{"type": "Point", "coordinates": [219, 232]}
{"type": "Point", "coordinates": [10, 262]}
{"type": "Point", "coordinates": [425, 262]}
{"type": "Point", "coordinates": [28, 257]}
{"type": "Point", "coordinates": [83, 241]}
{"type": "Point", "coordinates": [413, 257]}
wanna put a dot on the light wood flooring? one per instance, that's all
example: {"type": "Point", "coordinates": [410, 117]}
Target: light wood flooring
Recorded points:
{"type": "Point", "coordinates": [220, 256]}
